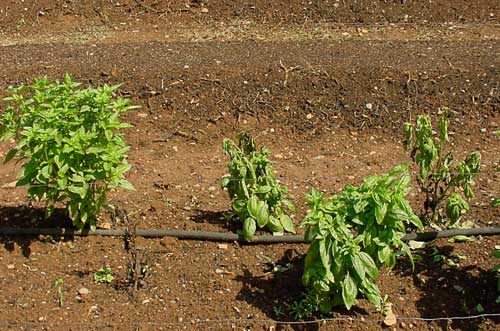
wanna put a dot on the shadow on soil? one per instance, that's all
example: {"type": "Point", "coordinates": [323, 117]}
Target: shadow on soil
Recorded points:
{"type": "Point", "coordinates": [216, 218]}
{"type": "Point", "coordinates": [31, 217]}
{"type": "Point", "coordinates": [454, 290]}
{"type": "Point", "coordinates": [273, 290]}
{"type": "Point", "coordinates": [278, 287]}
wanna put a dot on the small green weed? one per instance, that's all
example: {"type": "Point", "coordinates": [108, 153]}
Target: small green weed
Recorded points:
{"type": "Point", "coordinates": [58, 284]}
{"type": "Point", "coordinates": [451, 260]}
{"type": "Point", "coordinates": [278, 310]}
{"type": "Point", "coordinates": [305, 306]}
{"type": "Point", "coordinates": [103, 275]}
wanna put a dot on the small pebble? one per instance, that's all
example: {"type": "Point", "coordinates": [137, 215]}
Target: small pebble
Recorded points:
{"type": "Point", "coordinates": [83, 291]}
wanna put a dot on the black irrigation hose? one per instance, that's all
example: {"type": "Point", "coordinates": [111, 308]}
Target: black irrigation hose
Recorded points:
{"type": "Point", "coordinates": [217, 236]}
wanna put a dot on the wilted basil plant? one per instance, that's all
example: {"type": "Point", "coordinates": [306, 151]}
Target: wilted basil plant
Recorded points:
{"type": "Point", "coordinates": [258, 199]}
{"type": "Point", "coordinates": [447, 185]}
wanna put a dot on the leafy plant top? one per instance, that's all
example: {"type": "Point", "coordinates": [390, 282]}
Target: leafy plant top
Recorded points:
{"type": "Point", "coordinates": [259, 201]}
{"type": "Point", "coordinates": [447, 185]}
{"type": "Point", "coordinates": [66, 138]}
{"type": "Point", "coordinates": [353, 234]}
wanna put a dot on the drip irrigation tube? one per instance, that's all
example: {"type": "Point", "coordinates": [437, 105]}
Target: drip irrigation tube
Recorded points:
{"type": "Point", "coordinates": [217, 236]}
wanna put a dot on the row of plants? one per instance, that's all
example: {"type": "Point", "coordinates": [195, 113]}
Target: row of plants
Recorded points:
{"type": "Point", "coordinates": [73, 153]}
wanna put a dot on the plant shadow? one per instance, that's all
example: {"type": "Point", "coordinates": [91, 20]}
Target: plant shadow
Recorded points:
{"type": "Point", "coordinates": [453, 290]}
{"type": "Point", "coordinates": [26, 217]}
{"type": "Point", "coordinates": [81, 273]}
{"type": "Point", "coordinates": [275, 290]}
{"type": "Point", "coordinates": [217, 218]}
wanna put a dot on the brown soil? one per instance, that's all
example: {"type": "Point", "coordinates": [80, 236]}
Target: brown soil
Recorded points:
{"type": "Point", "coordinates": [58, 14]}
{"type": "Point", "coordinates": [327, 97]}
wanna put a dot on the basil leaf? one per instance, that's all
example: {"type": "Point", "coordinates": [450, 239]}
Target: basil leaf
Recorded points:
{"type": "Point", "coordinates": [258, 211]}
{"type": "Point", "coordinates": [249, 228]}
{"type": "Point", "coordinates": [349, 291]}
